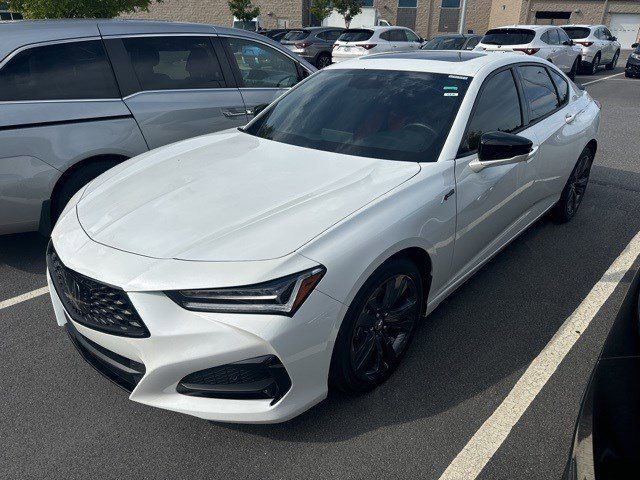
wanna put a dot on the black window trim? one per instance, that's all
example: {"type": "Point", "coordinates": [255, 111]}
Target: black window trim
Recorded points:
{"type": "Point", "coordinates": [236, 70]}
{"type": "Point", "coordinates": [524, 112]}
{"type": "Point", "coordinates": [128, 81]}
{"type": "Point", "coordinates": [47, 43]}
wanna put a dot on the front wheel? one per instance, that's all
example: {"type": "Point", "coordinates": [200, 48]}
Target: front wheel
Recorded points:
{"type": "Point", "coordinates": [593, 66]}
{"type": "Point", "coordinates": [378, 327]}
{"type": "Point", "coordinates": [324, 60]}
{"type": "Point", "coordinates": [574, 69]}
{"type": "Point", "coordinates": [574, 189]}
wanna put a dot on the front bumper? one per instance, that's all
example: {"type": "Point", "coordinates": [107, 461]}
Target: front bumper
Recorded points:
{"type": "Point", "coordinates": [182, 342]}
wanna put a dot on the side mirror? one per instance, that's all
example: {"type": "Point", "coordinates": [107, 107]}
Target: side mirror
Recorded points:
{"type": "Point", "coordinates": [614, 39]}
{"type": "Point", "coordinates": [568, 42]}
{"type": "Point", "coordinates": [258, 108]}
{"type": "Point", "coordinates": [635, 45]}
{"type": "Point", "coordinates": [501, 148]}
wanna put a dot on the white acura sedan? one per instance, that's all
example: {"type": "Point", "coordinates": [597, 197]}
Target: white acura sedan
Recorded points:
{"type": "Point", "coordinates": [237, 276]}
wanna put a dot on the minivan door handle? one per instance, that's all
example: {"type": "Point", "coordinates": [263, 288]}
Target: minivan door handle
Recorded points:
{"type": "Point", "coordinates": [234, 112]}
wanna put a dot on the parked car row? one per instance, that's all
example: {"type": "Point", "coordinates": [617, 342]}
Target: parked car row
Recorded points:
{"type": "Point", "coordinates": [572, 48]}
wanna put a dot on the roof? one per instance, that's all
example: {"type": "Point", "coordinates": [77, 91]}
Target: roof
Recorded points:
{"type": "Point", "coordinates": [537, 28]}
{"type": "Point", "coordinates": [466, 63]}
{"type": "Point", "coordinates": [14, 35]}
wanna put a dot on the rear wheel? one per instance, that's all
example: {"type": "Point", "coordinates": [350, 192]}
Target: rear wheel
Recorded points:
{"type": "Point", "coordinates": [324, 60]}
{"type": "Point", "coordinates": [611, 65]}
{"type": "Point", "coordinates": [378, 327]}
{"type": "Point", "coordinates": [574, 189]}
{"type": "Point", "coordinates": [74, 182]}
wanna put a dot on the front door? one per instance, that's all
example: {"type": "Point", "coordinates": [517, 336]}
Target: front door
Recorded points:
{"type": "Point", "coordinates": [489, 201]}
{"type": "Point", "coordinates": [179, 89]}
{"type": "Point", "coordinates": [263, 73]}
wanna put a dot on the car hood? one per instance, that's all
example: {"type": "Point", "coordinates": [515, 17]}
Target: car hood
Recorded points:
{"type": "Point", "coordinates": [230, 196]}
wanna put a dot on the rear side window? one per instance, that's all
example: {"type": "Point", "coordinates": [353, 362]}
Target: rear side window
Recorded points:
{"type": "Point", "coordinates": [64, 71]}
{"type": "Point", "coordinates": [577, 32]}
{"type": "Point", "coordinates": [355, 35]}
{"type": "Point", "coordinates": [562, 87]}
{"type": "Point", "coordinates": [173, 63]}
{"type": "Point", "coordinates": [397, 36]}
{"type": "Point", "coordinates": [539, 91]}
{"type": "Point", "coordinates": [508, 36]}
{"type": "Point", "coordinates": [497, 109]}
{"type": "Point", "coordinates": [296, 35]}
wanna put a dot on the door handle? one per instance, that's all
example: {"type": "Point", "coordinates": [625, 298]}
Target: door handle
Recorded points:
{"type": "Point", "coordinates": [234, 112]}
{"type": "Point", "coordinates": [570, 117]}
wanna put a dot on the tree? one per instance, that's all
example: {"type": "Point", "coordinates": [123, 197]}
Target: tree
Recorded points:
{"type": "Point", "coordinates": [243, 10]}
{"type": "Point", "coordinates": [348, 9]}
{"type": "Point", "coordinates": [321, 9]}
{"type": "Point", "coordinates": [77, 8]}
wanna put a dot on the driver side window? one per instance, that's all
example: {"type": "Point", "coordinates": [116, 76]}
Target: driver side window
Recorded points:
{"type": "Point", "coordinates": [262, 66]}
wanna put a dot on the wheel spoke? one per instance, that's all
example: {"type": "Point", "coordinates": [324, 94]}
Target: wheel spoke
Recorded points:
{"type": "Point", "coordinates": [389, 356]}
{"type": "Point", "coordinates": [363, 352]}
{"type": "Point", "coordinates": [401, 312]}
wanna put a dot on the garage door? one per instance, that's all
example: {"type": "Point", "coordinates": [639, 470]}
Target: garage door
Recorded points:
{"type": "Point", "coordinates": [625, 26]}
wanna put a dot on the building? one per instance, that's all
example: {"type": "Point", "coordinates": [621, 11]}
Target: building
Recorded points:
{"type": "Point", "coordinates": [427, 17]}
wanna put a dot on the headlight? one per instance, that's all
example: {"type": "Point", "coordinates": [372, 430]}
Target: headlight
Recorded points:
{"type": "Point", "coordinates": [635, 55]}
{"type": "Point", "coordinates": [282, 296]}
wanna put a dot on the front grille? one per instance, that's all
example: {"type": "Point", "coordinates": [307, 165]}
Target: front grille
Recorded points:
{"type": "Point", "coordinates": [123, 371]}
{"type": "Point", "coordinates": [255, 378]}
{"type": "Point", "coordinates": [94, 304]}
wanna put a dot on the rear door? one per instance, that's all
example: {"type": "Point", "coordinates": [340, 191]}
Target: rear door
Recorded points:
{"type": "Point", "coordinates": [262, 72]}
{"type": "Point", "coordinates": [176, 86]}
{"type": "Point", "coordinates": [608, 46]}
{"type": "Point", "coordinates": [398, 39]}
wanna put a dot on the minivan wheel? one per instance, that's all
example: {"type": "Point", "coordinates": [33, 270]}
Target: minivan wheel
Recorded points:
{"type": "Point", "coordinates": [574, 189]}
{"type": "Point", "coordinates": [614, 61]}
{"type": "Point", "coordinates": [75, 181]}
{"type": "Point", "coordinates": [324, 60]}
{"type": "Point", "coordinates": [378, 327]}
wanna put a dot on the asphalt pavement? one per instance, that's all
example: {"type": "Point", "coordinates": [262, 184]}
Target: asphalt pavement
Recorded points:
{"type": "Point", "coordinates": [60, 420]}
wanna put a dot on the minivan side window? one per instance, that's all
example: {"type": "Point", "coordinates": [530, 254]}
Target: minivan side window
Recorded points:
{"type": "Point", "coordinates": [262, 66]}
{"type": "Point", "coordinates": [174, 62]}
{"type": "Point", "coordinates": [496, 109]}
{"type": "Point", "coordinates": [63, 71]}
{"type": "Point", "coordinates": [539, 90]}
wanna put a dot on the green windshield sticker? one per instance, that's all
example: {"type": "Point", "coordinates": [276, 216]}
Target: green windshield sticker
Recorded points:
{"type": "Point", "coordinates": [450, 87]}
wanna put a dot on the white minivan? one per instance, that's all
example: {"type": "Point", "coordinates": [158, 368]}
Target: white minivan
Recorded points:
{"type": "Point", "coordinates": [356, 42]}
{"type": "Point", "coordinates": [544, 41]}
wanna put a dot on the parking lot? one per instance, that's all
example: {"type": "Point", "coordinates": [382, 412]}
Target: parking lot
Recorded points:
{"type": "Point", "coordinates": [60, 419]}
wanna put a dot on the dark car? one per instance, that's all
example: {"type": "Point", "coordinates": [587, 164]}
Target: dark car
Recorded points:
{"type": "Point", "coordinates": [606, 443]}
{"type": "Point", "coordinates": [276, 34]}
{"type": "Point", "coordinates": [453, 42]}
{"type": "Point", "coordinates": [314, 44]}
{"type": "Point", "coordinates": [632, 68]}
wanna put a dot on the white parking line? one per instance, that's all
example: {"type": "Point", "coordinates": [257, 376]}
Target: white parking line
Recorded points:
{"type": "Point", "coordinates": [603, 78]}
{"type": "Point", "coordinates": [24, 297]}
{"type": "Point", "coordinates": [485, 442]}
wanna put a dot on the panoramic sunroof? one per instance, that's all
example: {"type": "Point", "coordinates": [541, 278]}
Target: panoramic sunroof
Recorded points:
{"type": "Point", "coordinates": [438, 55]}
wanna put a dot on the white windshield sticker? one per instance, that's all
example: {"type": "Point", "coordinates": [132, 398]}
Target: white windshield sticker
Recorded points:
{"type": "Point", "coordinates": [460, 77]}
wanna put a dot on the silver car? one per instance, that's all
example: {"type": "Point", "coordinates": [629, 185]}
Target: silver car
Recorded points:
{"type": "Point", "coordinates": [78, 97]}
{"type": "Point", "coordinates": [599, 47]}
{"type": "Point", "coordinates": [314, 44]}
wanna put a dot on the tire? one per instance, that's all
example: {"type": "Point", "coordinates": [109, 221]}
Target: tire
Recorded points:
{"type": "Point", "coordinates": [592, 68]}
{"type": "Point", "coordinates": [323, 60]}
{"type": "Point", "coordinates": [75, 182]}
{"type": "Point", "coordinates": [574, 190]}
{"type": "Point", "coordinates": [611, 65]}
{"type": "Point", "coordinates": [370, 345]}
{"type": "Point", "coordinates": [574, 69]}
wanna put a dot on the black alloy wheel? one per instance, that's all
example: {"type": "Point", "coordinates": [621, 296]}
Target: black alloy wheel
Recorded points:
{"type": "Point", "coordinates": [324, 60]}
{"type": "Point", "coordinates": [378, 327]}
{"type": "Point", "coordinates": [595, 64]}
{"type": "Point", "coordinates": [614, 61]}
{"type": "Point", "coordinates": [574, 189]}
{"type": "Point", "coordinates": [574, 69]}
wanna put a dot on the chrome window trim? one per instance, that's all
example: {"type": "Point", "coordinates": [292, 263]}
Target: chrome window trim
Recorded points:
{"type": "Point", "coordinates": [174, 90]}
{"type": "Point", "coordinates": [65, 100]}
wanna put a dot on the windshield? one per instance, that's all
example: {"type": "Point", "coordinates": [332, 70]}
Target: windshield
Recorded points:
{"type": "Point", "coordinates": [444, 43]}
{"type": "Point", "coordinates": [577, 32]}
{"type": "Point", "coordinates": [391, 115]}
{"type": "Point", "coordinates": [296, 35]}
{"type": "Point", "coordinates": [355, 35]}
{"type": "Point", "coordinates": [508, 36]}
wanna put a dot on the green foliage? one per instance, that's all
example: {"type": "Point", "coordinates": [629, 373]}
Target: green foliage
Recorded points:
{"type": "Point", "coordinates": [321, 9]}
{"type": "Point", "coordinates": [243, 10]}
{"type": "Point", "coordinates": [348, 9]}
{"type": "Point", "coordinates": [77, 8]}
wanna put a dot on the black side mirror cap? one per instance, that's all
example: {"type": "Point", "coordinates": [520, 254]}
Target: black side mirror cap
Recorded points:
{"type": "Point", "coordinates": [568, 42]}
{"type": "Point", "coordinates": [501, 145]}
{"type": "Point", "coordinates": [635, 45]}
{"type": "Point", "coordinates": [614, 39]}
